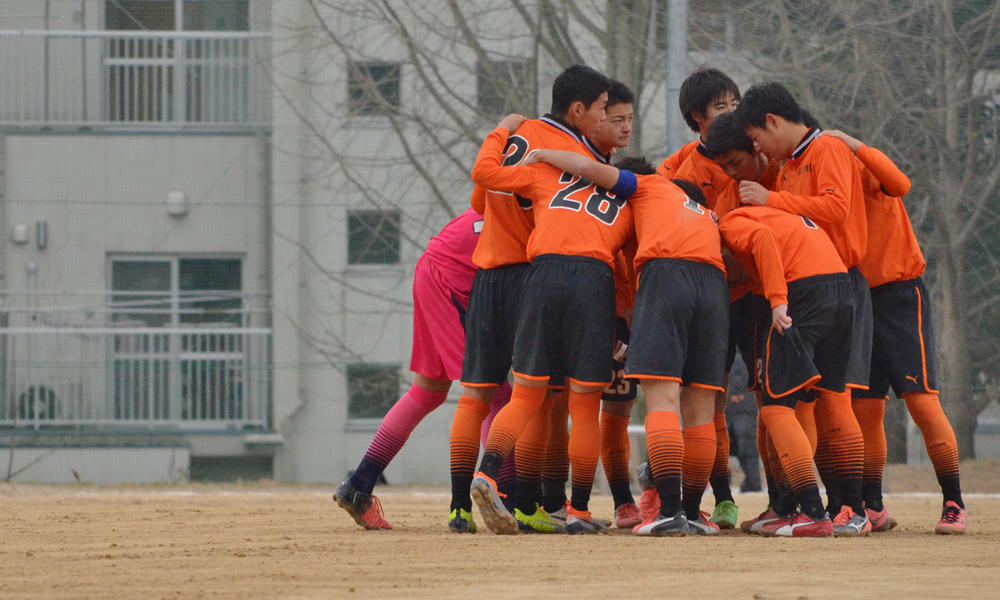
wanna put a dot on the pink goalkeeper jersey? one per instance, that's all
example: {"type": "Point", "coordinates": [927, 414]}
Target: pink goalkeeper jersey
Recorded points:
{"type": "Point", "coordinates": [451, 249]}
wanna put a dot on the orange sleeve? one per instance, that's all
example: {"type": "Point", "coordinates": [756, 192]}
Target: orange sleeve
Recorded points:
{"type": "Point", "coordinates": [489, 173]}
{"type": "Point", "coordinates": [833, 181]}
{"type": "Point", "coordinates": [728, 199]}
{"type": "Point", "coordinates": [745, 236]}
{"type": "Point", "coordinates": [893, 181]}
{"type": "Point", "coordinates": [671, 163]}
{"type": "Point", "coordinates": [478, 200]}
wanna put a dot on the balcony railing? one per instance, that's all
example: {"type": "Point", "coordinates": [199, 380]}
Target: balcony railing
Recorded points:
{"type": "Point", "coordinates": [134, 80]}
{"type": "Point", "coordinates": [211, 372]}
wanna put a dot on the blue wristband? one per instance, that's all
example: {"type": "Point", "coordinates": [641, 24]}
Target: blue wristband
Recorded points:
{"type": "Point", "coordinates": [626, 184]}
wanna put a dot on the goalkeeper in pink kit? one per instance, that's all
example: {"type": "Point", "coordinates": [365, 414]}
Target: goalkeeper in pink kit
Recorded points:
{"type": "Point", "coordinates": [441, 283]}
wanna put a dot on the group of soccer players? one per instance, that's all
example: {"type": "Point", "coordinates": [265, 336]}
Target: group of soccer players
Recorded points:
{"type": "Point", "coordinates": [766, 235]}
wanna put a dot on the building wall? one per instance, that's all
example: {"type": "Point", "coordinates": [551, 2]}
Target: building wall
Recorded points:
{"type": "Point", "coordinates": [102, 194]}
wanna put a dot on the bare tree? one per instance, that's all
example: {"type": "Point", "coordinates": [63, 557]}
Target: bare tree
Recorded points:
{"type": "Point", "coordinates": [919, 80]}
{"type": "Point", "coordinates": [395, 99]}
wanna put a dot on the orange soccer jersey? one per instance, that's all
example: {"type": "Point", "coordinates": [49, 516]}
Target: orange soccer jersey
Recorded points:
{"type": "Point", "coordinates": [780, 247]}
{"type": "Point", "coordinates": [508, 219]}
{"type": "Point", "coordinates": [701, 169]}
{"type": "Point", "coordinates": [572, 215]}
{"type": "Point", "coordinates": [893, 251]}
{"type": "Point", "coordinates": [668, 224]}
{"type": "Point", "coordinates": [670, 164]}
{"type": "Point", "coordinates": [821, 181]}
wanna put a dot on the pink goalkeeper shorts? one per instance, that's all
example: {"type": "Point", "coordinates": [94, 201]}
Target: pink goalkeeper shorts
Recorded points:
{"type": "Point", "coordinates": [438, 334]}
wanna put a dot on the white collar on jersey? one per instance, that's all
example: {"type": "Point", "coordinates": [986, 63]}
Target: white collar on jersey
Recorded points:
{"type": "Point", "coordinates": [805, 142]}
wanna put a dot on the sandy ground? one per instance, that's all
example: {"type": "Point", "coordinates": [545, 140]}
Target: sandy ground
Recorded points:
{"type": "Point", "coordinates": [268, 540]}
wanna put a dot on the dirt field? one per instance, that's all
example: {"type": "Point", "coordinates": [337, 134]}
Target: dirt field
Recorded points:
{"type": "Point", "coordinates": [287, 541]}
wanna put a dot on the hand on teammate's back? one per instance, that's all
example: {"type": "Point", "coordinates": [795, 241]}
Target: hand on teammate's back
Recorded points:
{"type": "Point", "coordinates": [512, 121]}
{"type": "Point", "coordinates": [852, 142]}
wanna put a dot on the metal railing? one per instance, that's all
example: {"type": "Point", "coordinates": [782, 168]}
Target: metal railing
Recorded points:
{"type": "Point", "coordinates": [134, 80]}
{"type": "Point", "coordinates": [188, 378]}
{"type": "Point", "coordinates": [67, 361]}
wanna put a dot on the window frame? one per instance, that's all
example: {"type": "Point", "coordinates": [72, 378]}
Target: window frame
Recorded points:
{"type": "Point", "coordinates": [175, 295]}
{"type": "Point", "coordinates": [351, 258]}
{"type": "Point", "coordinates": [483, 84]}
{"type": "Point", "coordinates": [361, 107]}
{"type": "Point", "coordinates": [364, 423]}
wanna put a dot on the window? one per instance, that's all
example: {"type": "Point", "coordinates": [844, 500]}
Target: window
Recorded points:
{"type": "Point", "coordinates": [373, 237]}
{"type": "Point", "coordinates": [201, 79]}
{"type": "Point", "coordinates": [165, 291]}
{"type": "Point", "coordinates": [158, 373]}
{"type": "Point", "coordinates": [161, 15]}
{"type": "Point", "coordinates": [372, 389]}
{"type": "Point", "coordinates": [504, 86]}
{"type": "Point", "coordinates": [372, 88]}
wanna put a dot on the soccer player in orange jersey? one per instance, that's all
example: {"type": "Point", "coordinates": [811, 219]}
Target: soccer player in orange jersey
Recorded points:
{"type": "Point", "coordinates": [501, 256]}
{"type": "Point", "coordinates": [682, 290]}
{"type": "Point", "coordinates": [705, 95]}
{"type": "Point", "coordinates": [820, 180]}
{"type": "Point", "coordinates": [616, 403]}
{"type": "Point", "coordinates": [566, 315]}
{"type": "Point", "coordinates": [903, 343]}
{"type": "Point", "coordinates": [736, 153]}
{"type": "Point", "coordinates": [811, 299]}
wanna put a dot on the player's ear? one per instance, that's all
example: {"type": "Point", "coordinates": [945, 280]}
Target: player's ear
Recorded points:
{"type": "Point", "coordinates": [770, 120]}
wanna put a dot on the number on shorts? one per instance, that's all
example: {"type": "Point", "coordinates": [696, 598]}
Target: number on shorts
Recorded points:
{"type": "Point", "coordinates": [809, 223]}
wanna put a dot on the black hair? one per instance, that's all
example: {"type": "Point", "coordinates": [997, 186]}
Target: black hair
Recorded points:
{"type": "Point", "coordinates": [619, 93]}
{"type": "Point", "coordinates": [701, 89]}
{"type": "Point", "coordinates": [768, 98]}
{"type": "Point", "coordinates": [578, 82]}
{"type": "Point", "coordinates": [637, 164]}
{"type": "Point", "coordinates": [726, 133]}
{"type": "Point", "coordinates": [692, 190]}
{"type": "Point", "coordinates": [809, 120]}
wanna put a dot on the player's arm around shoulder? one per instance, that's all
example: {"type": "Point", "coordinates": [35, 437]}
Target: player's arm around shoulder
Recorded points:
{"type": "Point", "coordinates": [489, 171]}
{"type": "Point", "coordinates": [603, 175]}
{"type": "Point", "coordinates": [890, 177]}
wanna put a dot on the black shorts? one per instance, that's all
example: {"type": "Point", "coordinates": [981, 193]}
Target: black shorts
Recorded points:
{"type": "Point", "coordinates": [567, 320]}
{"type": "Point", "coordinates": [903, 341]}
{"type": "Point", "coordinates": [680, 324]}
{"type": "Point", "coordinates": [811, 353]}
{"type": "Point", "coordinates": [490, 324]}
{"type": "Point", "coordinates": [742, 334]}
{"type": "Point", "coordinates": [860, 360]}
{"type": "Point", "coordinates": [760, 317]}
